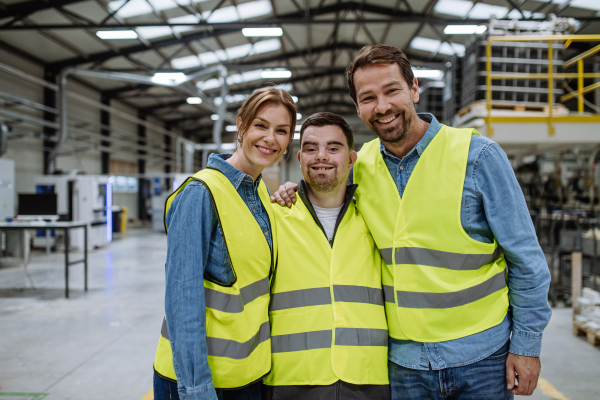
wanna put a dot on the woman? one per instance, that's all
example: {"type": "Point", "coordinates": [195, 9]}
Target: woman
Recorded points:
{"type": "Point", "coordinates": [220, 257]}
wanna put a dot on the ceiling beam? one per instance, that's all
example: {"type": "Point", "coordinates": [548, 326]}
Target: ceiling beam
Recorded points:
{"type": "Point", "coordinates": [25, 8]}
{"type": "Point", "coordinates": [237, 26]}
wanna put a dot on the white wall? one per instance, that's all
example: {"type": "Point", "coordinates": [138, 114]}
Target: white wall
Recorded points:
{"type": "Point", "coordinates": [27, 152]}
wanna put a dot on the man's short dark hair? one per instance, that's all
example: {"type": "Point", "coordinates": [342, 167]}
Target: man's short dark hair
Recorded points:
{"type": "Point", "coordinates": [329, 119]}
{"type": "Point", "coordinates": [378, 54]}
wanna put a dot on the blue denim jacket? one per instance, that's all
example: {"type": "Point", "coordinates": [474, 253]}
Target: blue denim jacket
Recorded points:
{"type": "Point", "coordinates": [195, 250]}
{"type": "Point", "coordinates": [492, 206]}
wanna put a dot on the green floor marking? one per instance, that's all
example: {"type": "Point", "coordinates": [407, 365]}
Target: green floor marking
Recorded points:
{"type": "Point", "coordinates": [26, 396]}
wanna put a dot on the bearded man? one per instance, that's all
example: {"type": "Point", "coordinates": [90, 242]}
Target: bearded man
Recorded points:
{"type": "Point", "coordinates": [466, 282]}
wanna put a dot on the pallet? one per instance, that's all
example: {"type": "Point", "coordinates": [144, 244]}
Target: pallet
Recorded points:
{"type": "Point", "coordinates": [593, 336]}
{"type": "Point", "coordinates": [509, 107]}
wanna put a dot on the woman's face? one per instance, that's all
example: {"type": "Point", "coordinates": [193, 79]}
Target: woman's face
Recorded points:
{"type": "Point", "coordinates": [267, 137]}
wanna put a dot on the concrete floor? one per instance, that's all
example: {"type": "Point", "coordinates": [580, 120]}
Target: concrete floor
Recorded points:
{"type": "Point", "coordinates": [100, 344]}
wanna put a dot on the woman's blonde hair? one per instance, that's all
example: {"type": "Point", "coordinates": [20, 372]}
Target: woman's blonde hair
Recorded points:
{"type": "Point", "coordinates": [261, 96]}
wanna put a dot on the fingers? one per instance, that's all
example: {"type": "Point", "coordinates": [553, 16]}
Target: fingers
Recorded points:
{"type": "Point", "coordinates": [510, 375]}
{"type": "Point", "coordinates": [278, 199]}
{"type": "Point", "coordinates": [522, 374]}
{"type": "Point", "coordinates": [291, 197]}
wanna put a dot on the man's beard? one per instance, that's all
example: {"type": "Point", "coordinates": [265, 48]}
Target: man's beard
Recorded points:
{"type": "Point", "coordinates": [321, 182]}
{"type": "Point", "coordinates": [395, 133]}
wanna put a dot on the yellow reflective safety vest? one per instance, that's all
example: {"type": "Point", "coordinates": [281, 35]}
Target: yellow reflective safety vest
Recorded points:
{"type": "Point", "coordinates": [439, 283]}
{"type": "Point", "coordinates": [327, 317]}
{"type": "Point", "coordinates": [237, 320]}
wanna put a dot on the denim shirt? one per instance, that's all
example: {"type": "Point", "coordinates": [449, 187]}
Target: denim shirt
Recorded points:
{"type": "Point", "coordinates": [196, 249]}
{"type": "Point", "coordinates": [492, 206]}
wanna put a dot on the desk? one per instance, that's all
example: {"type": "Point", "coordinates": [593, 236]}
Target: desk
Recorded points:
{"type": "Point", "coordinates": [65, 227]}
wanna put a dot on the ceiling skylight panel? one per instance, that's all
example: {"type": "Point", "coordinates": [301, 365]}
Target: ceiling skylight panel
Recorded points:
{"type": "Point", "coordinates": [460, 8]}
{"type": "Point", "coordinates": [185, 62]}
{"type": "Point", "coordinates": [452, 49]}
{"type": "Point", "coordinates": [151, 32]}
{"type": "Point", "coordinates": [255, 9]}
{"type": "Point", "coordinates": [255, 75]}
{"type": "Point", "coordinates": [436, 46]}
{"type": "Point", "coordinates": [191, 18]}
{"type": "Point", "coordinates": [515, 14]}
{"type": "Point", "coordinates": [485, 11]}
{"type": "Point", "coordinates": [587, 4]}
{"type": "Point", "coordinates": [266, 46]}
{"type": "Point", "coordinates": [209, 57]}
{"type": "Point", "coordinates": [209, 84]}
{"type": "Point", "coordinates": [238, 51]}
{"type": "Point", "coordinates": [424, 44]}
{"type": "Point", "coordinates": [225, 14]}
{"type": "Point", "coordinates": [140, 7]}
{"type": "Point", "coordinates": [235, 79]}
{"type": "Point", "coordinates": [131, 9]}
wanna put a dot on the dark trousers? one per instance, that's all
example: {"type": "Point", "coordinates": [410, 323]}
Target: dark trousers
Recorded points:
{"type": "Point", "coordinates": [338, 391]}
{"type": "Point", "coordinates": [167, 390]}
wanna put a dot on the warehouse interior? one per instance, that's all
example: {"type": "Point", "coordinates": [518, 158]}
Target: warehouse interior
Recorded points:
{"type": "Point", "coordinates": [107, 106]}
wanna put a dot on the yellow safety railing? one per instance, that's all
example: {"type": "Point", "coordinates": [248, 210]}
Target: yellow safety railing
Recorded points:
{"type": "Point", "coordinates": [580, 75]}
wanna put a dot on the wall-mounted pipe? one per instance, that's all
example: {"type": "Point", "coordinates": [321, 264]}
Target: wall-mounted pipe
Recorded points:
{"type": "Point", "coordinates": [222, 111]}
{"type": "Point", "coordinates": [121, 76]}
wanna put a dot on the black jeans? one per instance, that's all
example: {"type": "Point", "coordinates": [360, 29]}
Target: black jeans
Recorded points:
{"type": "Point", "coordinates": [338, 391]}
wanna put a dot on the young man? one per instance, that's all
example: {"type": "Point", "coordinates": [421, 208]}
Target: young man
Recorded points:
{"type": "Point", "coordinates": [329, 333]}
{"type": "Point", "coordinates": [468, 277]}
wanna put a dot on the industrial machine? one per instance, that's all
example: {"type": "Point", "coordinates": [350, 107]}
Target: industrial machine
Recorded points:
{"type": "Point", "coordinates": [85, 198]}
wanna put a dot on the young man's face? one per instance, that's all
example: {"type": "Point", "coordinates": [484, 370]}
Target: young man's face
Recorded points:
{"type": "Point", "coordinates": [325, 158]}
{"type": "Point", "coordinates": [384, 101]}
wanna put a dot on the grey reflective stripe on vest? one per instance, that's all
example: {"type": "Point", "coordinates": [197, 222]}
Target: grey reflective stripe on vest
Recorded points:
{"type": "Point", "coordinates": [358, 294]}
{"type": "Point", "coordinates": [386, 254]}
{"type": "Point", "coordinates": [452, 299]}
{"type": "Point", "coordinates": [361, 337]}
{"type": "Point", "coordinates": [164, 332]}
{"type": "Point", "coordinates": [300, 298]}
{"type": "Point", "coordinates": [321, 296]}
{"type": "Point", "coordinates": [443, 259]}
{"type": "Point", "coordinates": [234, 303]}
{"type": "Point", "coordinates": [231, 349]}
{"type": "Point", "coordinates": [439, 259]}
{"type": "Point", "coordinates": [301, 341]}
{"type": "Point", "coordinates": [322, 339]}
{"type": "Point", "coordinates": [388, 294]}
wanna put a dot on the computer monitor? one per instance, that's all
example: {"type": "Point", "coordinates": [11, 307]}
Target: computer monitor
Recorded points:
{"type": "Point", "coordinates": [38, 205]}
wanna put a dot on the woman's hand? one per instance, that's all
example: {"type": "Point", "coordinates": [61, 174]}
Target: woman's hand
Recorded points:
{"type": "Point", "coordinates": [285, 195]}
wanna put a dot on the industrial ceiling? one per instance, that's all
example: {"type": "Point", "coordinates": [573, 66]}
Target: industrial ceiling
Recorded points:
{"type": "Point", "coordinates": [318, 40]}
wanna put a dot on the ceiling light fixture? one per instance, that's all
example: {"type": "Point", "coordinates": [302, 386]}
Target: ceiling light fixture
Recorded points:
{"type": "Point", "coordinates": [298, 116]}
{"type": "Point", "coordinates": [127, 34]}
{"type": "Point", "coordinates": [276, 74]}
{"type": "Point", "coordinates": [464, 29]}
{"type": "Point", "coordinates": [262, 32]}
{"type": "Point", "coordinates": [194, 100]}
{"type": "Point", "coordinates": [168, 77]}
{"type": "Point", "coordinates": [427, 73]}
{"type": "Point", "coordinates": [214, 117]}
{"type": "Point", "coordinates": [231, 128]}
{"type": "Point", "coordinates": [295, 99]}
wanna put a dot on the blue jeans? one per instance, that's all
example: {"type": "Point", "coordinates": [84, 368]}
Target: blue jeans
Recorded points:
{"type": "Point", "coordinates": [167, 390]}
{"type": "Point", "coordinates": [483, 380]}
